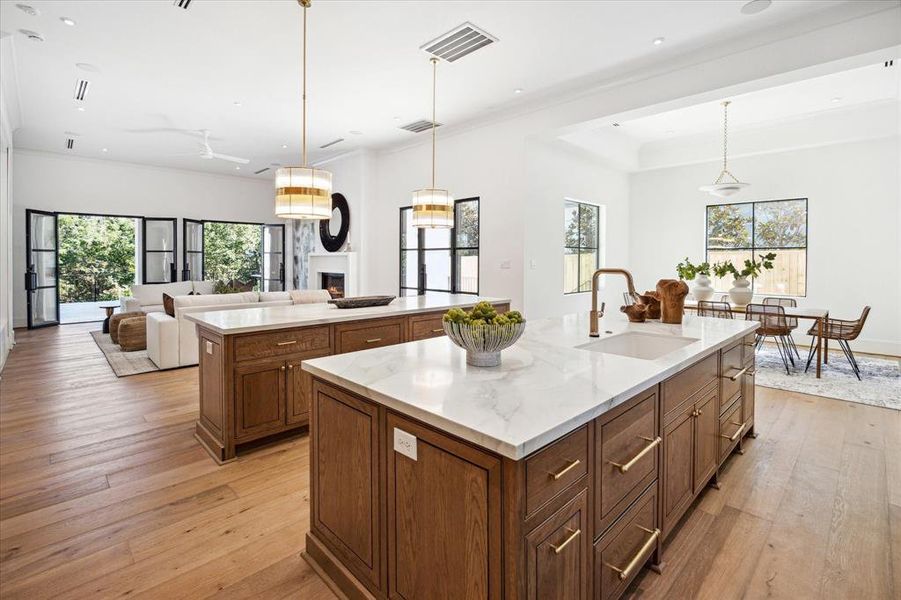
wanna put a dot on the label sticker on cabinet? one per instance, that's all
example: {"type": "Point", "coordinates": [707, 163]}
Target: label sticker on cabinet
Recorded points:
{"type": "Point", "coordinates": [405, 443]}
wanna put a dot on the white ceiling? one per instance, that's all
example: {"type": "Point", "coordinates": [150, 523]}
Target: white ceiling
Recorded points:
{"type": "Point", "coordinates": [161, 67]}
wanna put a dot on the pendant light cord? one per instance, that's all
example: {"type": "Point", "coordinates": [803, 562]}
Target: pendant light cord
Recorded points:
{"type": "Point", "coordinates": [434, 94]}
{"type": "Point", "coordinates": [725, 132]}
{"type": "Point", "coordinates": [303, 126]}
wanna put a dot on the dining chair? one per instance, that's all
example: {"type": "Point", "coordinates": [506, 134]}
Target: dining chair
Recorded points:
{"type": "Point", "coordinates": [719, 310]}
{"type": "Point", "coordinates": [792, 321]}
{"type": "Point", "coordinates": [772, 324]}
{"type": "Point", "coordinates": [841, 331]}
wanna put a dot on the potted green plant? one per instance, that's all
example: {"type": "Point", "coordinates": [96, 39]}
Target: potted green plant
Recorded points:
{"type": "Point", "coordinates": [687, 271]}
{"type": "Point", "coordinates": [741, 293]}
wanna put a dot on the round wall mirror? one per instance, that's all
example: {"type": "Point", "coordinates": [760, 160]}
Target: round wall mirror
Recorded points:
{"type": "Point", "coordinates": [333, 232]}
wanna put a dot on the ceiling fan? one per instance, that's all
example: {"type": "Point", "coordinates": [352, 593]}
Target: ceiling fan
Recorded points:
{"type": "Point", "coordinates": [206, 152]}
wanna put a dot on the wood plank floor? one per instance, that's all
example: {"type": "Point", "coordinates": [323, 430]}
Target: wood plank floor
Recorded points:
{"type": "Point", "coordinates": [105, 494]}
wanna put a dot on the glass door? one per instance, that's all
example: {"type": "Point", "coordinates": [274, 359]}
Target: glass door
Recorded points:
{"type": "Point", "coordinates": [41, 264]}
{"type": "Point", "coordinates": [273, 258]}
{"type": "Point", "coordinates": [192, 238]}
{"type": "Point", "coordinates": [158, 240]}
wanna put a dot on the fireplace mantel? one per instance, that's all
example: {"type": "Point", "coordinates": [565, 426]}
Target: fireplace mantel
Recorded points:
{"type": "Point", "coordinates": [334, 262]}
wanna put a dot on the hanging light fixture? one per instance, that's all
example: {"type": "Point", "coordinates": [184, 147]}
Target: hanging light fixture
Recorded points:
{"type": "Point", "coordinates": [433, 208]}
{"type": "Point", "coordinates": [726, 184]}
{"type": "Point", "coordinates": [303, 192]}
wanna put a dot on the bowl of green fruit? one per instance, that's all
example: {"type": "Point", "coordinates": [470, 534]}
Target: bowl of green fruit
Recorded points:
{"type": "Point", "coordinates": [483, 332]}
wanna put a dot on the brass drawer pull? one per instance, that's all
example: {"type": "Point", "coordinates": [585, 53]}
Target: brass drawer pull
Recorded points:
{"type": "Point", "coordinates": [739, 374]}
{"type": "Point", "coordinates": [566, 469]}
{"type": "Point", "coordinates": [283, 367]}
{"type": "Point", "coordinates": [697, 413]}
{"type": "Point", "coordinates": [625, 467]}
{"type": "Point", "coordinates": [373, 340]}
{"type": "Point", "coordinates": [286, 343]}
{"type": "Point", "coordinates": [636, 560]}
{"type": "Point", "coordinates": [566, 542]}
{"type": "Point", "coordinates": [291, 367]}
{"type": "Point", "coordinates": [438, 330]}
{"type": "Point", "coordinates": [734, 436]}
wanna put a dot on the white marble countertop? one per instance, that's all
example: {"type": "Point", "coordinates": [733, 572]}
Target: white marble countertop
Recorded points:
{"type": "Point", "coordinates": [245, 320]}
{"type": "Point", "coordinates": [544, 388]}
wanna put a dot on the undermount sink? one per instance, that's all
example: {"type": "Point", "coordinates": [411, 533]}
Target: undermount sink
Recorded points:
{"type": "Point", "coordinates": [646, 346]}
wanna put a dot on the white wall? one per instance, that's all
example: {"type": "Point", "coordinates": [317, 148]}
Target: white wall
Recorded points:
{"type": "Point", "coordinates": [62, 183]}
{"type": "Point", "coordinates": [853, 214]}
{"type": "Point", "coordinates": [6, 235]}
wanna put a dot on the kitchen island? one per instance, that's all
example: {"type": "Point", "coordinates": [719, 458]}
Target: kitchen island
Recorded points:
{"type": "Point", "coordinates": [251, 383]}
{"type": "Point", "coordinates": [556, 475]}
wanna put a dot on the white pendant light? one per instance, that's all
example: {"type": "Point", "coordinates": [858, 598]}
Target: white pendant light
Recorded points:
{"type": "Point", "coordinates": [303, 192]}
{"type": "Point", "coordinates": [726, 184]}
{"type": "Point", "coordinates": [433, 208]}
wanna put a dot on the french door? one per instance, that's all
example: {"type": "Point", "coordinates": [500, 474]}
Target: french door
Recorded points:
{"type": "Point", "coordinates": [159, 243]}
{"type": "Point", "coordinates": [273, 258]}
{"type": "Point", "coordinates": [41, 266]}
{"type": "Point", "coordinates": [192, 240]}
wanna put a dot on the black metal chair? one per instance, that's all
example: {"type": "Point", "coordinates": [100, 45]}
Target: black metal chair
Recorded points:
{"type": "Point", "coordinates": [842, 332]}
{"type": "Point", "coordinates": [792, 321]}
{"type": "Point", "coordinates": [772, 324]}
{"type": "Point", "coordinates": [719, 310]}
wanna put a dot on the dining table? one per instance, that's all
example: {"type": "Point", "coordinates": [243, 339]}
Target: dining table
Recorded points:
{"type": "Point", "coordinates": [819, 315]}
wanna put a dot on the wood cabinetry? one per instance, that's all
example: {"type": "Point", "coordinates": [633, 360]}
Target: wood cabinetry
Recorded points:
{"type": "Point", "coordinates": [363, 335]}
{"type": "Point", "coordinates": [622, 551]}
{"type": "Point", "coordinates": [557, 554]}
{"type": "Point", "coordinates": [259, 399]}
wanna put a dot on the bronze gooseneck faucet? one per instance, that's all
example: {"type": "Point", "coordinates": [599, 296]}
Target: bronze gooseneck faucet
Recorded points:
{"type": "Point", "coordinates": [597, 314]}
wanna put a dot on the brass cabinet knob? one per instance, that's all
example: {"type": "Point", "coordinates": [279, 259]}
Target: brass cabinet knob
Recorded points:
{"type": "Point", "coordinates": [283, 367]}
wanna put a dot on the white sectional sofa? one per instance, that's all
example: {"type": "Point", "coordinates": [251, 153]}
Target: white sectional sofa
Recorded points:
{"type": "Point", "coordinates": [172, 341]}
{"type": "Point", "coordinates": [148, 298]}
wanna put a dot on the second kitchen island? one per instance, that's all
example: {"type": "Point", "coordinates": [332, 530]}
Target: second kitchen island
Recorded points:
{"type": "Point", "coordinates": [556, 475]}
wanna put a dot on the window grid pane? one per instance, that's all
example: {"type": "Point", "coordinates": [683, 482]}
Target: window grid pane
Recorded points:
{"type": "Point", "coordinates": [581, 243]}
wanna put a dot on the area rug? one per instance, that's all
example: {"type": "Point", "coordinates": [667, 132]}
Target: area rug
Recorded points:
{"type": "Point", "coordinates": [122, 363]}
{"type": "Point", "coordinates": [881, 385]}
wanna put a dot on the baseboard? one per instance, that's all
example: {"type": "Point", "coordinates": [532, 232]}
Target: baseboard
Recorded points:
{"type": "Point", "coordinates": [335, 575]}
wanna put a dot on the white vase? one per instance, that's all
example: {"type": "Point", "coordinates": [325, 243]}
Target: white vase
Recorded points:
{"type": "Point", "coordinates": [741, 294]}
{"type": "Point", "coordinates": [702, 289]}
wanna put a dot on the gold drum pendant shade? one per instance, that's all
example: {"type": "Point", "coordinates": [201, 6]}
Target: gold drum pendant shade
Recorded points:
{"type": "Point", "coordinates": [433, 208]}
{"type": "Point", "coordinates": [303, 192]}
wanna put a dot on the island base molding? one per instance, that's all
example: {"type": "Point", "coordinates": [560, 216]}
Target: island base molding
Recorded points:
{"type": "Point", "coordinates": [578, 519]}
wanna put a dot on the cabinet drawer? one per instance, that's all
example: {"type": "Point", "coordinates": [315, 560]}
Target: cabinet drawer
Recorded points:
{"type": "Point", "coordinates": [626, 461]}
{"type": "Point", "coordinates": [350, 337]}
{"type": "Point", "coordinates": [558, 553]}
{"type": "Point", "coordinates": [730, 365]}
{"type": "Point", "coordinates": [555, 467]}
{"type": "Point", "coordinates": [280, 343]}
{"type": "Point", "coordinates": [423, 327]}
{"type": "Point", "coordinates": [680, 387]}
{"type": "Point", "coordinates": [731, 428]}
{"type": "Point", "coordinates": [622, 552]}
{"type": "Point", "coordinates": [749, 343]}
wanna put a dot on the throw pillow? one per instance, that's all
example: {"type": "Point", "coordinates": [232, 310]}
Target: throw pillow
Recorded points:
{"type": "Point", "coordinates": [168, 305]}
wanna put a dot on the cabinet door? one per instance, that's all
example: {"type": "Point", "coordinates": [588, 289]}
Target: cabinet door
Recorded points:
{"type": "Point", "coordinates": [678, 441]}
{"type": "Point", "coordinates": [259, 399]}
{"type": "Point", "coordinates": [557, 553]}
{"type": "Point", "coordinates": [444, 518]}
{"type": "Point", "coordinates": [747, 398]}
{"type": "Point", "coordinates": [706, 441]}
{"type": "Point", "coordinates": [299, 389]}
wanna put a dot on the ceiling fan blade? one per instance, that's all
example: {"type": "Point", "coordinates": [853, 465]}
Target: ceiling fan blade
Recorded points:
{"type": "Point", "coordinates": [233, 159]}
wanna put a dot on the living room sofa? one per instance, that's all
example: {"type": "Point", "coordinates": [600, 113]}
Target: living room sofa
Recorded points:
{"type": "Point", "coordinates": [148, 297]}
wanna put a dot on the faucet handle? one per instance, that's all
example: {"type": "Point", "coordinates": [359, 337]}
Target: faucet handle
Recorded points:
{"type": "Point", "coordinates": [603, 306]}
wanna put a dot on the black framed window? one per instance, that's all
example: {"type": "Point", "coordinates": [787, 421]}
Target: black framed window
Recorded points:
{"type": "Point", "coordinates": [581, 245]}
{"type": "Point", "coordinates": [741, 231]}
{"type": "Point", "coordinates": [244, 252]}
{"type": "Point", "coordinates": [441, 260]}
{"type": "Point", "coordinates": [192, 250]}
{"type": "Point", "coordinates": [158, 239]}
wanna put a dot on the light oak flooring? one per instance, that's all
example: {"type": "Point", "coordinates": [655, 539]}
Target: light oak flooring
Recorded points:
{"type": "Point", "coordinates": [105, 494]}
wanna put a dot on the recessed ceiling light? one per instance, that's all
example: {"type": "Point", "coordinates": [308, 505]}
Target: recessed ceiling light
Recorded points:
{"type": "Point", "coordinates": [670, 131]}
{"type": "Point", "coordinates": [517, 91]}
{"type": "Point", "coordinates": [355, 132]}
{"type": "Point", "coordinates": [755, 6]}
{"type": "Point", "coordinates": [658, 41]}
{"type": "Point", "coordinates": [32, 35]}
{"type": "Point", "coordinates": [236, 103]}
{"type": "Point", "coordinates": [284, 146]}
{"type": "Point", "coordinates": [28, 10]}
{"type": "Point", "coordinates": [397, 118]}
{"type": "Point", "coordinates": [87, 67]}
{"type": "Point", "coordinates": [81, 109]}
{"type": "Point", "coordinates": [836, 99]}
{"type": "Point", "coordinates": [237, 168]}
{"type": "Point", "coordinates": [68, 21]}
{"type": "Point", "coordinates": [104, 150]}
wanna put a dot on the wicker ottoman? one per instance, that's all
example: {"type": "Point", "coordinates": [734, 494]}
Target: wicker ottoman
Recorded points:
{"type": "Point", "coordinates": [133, 333]}
{"type": "Point", "coordinates": [117, 318]}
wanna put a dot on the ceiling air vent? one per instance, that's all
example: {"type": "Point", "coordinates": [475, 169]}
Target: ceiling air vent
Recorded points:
{"type": "Point", "coordinates": [889, 63]}
{"type": "Point", "coordinates": [418, 126]}
{"type": "Point", "coordinates": [70, 143]}
{"type": "Point", "coordinates": [182, 4]}
{"type": "Point", "coordinates": [331, 143]}
{"type": "Point", "coordinates": [261, 171]}
{"type": "Point", "coordinates": [458, 42]}
{"type": "Point", "coordinates": [81, 89]}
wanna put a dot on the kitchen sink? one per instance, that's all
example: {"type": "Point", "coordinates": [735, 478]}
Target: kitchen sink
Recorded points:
{"type": "Point", "coordinates": [646, 346]}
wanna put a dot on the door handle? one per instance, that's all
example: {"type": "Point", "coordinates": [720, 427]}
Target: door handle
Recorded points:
{"type": "Point", "coordinates": [623, 468]}
{"type": "Point", "coordinates": [627, 570]}
{"type": "Point", "coordinates": [567, 541]}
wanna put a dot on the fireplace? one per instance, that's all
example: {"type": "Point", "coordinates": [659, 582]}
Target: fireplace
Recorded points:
{"type": "Point", "coordinates": [334, 283]}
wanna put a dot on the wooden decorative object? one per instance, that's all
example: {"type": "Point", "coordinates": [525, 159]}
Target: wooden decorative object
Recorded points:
{"type": "Point", "coordinates": [652, 301]}
{"type": "Point", "coordinates": [636, 312]}
{"type": "Point", "coordinates": [361, 301]}
{"type": "Point", "coordinates": [117, 318]}
{"type": "Point", "coordinates": [133, 333]}
{"type": "Point", "coordinates": [672, 299]}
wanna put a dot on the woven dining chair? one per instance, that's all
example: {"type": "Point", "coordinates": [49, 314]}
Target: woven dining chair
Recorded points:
{"type": "Point", "coordinates": [792, 321]}
{"type": "Point", "coordinates": [842, 332]}
{"type": "Point", "coordinates": [719, 310]}
{"type": "Point", "coordinates": [772, 324]}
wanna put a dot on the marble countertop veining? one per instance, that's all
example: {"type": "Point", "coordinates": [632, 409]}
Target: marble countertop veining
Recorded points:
{"type": "Point", "coordinates": [251, 319]}
{"type": "Point", "coordinates": [544, 388]}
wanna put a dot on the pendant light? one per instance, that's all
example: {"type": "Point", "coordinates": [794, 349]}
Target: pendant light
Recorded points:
{"type": "Point", "coordinates": [433, 208]}
{"type": "Point", "coordinates": [303, 192]}
{"type": "Point", "coordinates": [723, 187]}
